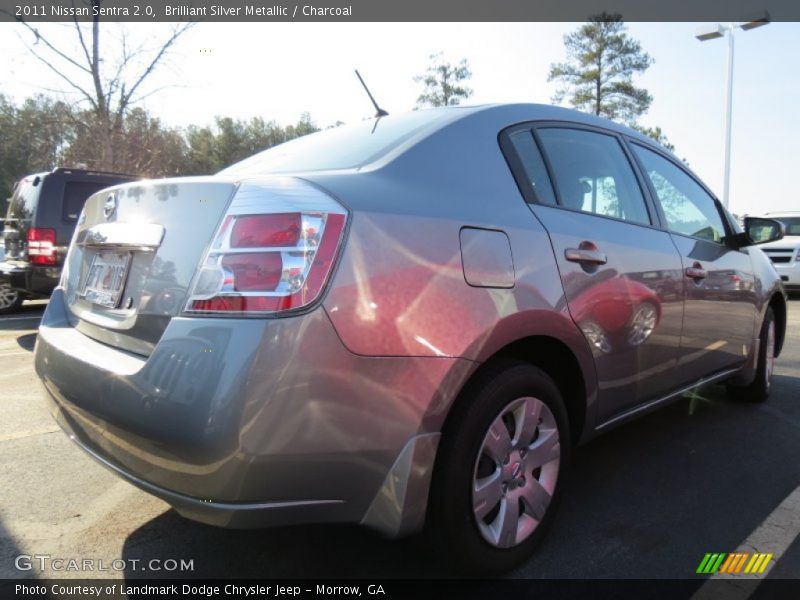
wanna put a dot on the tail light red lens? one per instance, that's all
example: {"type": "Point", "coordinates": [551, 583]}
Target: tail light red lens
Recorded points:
{"type": "Point", "coordinates": [42, 246]}
{"type": "Point", "coordinates": [265, 231]}
{"type": "Point", "coordinates": [254, 272]}
{"type": "Point", "coordinates": [273, 252]}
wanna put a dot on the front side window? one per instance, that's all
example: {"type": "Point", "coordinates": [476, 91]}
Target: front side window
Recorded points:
{"type": "Point", "coordinates": [689, 209]}
{"type": "Point", "coordinates": [593, 174]}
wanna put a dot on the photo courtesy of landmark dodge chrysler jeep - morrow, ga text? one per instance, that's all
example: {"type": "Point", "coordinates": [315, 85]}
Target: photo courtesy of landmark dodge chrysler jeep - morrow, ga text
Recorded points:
{"type": "Point", "coordinates": [406, 323]}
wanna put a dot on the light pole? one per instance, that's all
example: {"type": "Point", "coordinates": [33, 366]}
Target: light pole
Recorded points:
{"type": "Point", "coordinates": [711, 33]}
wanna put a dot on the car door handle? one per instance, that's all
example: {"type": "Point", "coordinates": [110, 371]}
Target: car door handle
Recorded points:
{"type": "Point", "coordinates": [586, 256]}
{"type": "Point", "coordinates": [696, 272]}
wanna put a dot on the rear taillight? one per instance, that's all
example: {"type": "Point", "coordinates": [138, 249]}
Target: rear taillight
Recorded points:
{"type": "Point", "coordinates": [42, 246]}
{"type": "Point", "coordinates": [273, 251]}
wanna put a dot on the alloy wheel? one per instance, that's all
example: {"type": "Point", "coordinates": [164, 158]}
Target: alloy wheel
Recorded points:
{"type": "Point", "coordinates": [8, 296]}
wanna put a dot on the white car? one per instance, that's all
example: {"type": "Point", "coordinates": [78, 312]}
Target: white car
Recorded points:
{"type": "Point", "coordinates": [784, 253]}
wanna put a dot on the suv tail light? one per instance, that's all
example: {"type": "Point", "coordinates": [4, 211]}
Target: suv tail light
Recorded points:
{"type": "Point", "coordinates": [42, 246]}
{"type": "Point", "coordinates": [273, 251]}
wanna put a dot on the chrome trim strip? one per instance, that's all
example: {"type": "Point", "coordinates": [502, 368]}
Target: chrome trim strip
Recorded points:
{"type": "Point", "coordinates": [672, 396]}
{"type": "Point", "coordinates": [146, 236]}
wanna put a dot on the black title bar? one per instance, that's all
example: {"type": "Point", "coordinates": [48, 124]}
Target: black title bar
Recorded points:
{"type": "Point", "coordinates": [395, 10]}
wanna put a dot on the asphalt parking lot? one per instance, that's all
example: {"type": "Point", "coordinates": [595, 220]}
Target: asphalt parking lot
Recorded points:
{"type": "Point", "coordinates": [647, 500]}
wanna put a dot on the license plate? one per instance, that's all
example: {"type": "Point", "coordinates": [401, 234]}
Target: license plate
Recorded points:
{"type": "Point", "coordinates": [106, 278]}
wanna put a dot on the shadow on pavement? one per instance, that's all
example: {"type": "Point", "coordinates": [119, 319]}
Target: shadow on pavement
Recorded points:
{"type": "Point", "coordinates": [9, 551]}
{"type": "Point", "coordinates": [27, 342]}
{"type": "Point", "coordinates": [26, 318]}
{"type": "Point", "coordinates": [322, 551]}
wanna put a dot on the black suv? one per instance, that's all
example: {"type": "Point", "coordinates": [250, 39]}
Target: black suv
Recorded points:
{"type": "Point", "coordinates": [38, 228]}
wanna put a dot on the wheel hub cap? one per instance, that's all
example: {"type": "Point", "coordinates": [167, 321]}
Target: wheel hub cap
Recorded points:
{"type": "Point", "coordinates": [516, 472]}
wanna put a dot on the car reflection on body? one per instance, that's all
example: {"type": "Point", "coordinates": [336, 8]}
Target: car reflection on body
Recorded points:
{"type": "Point", "coordinates": [616, 313]}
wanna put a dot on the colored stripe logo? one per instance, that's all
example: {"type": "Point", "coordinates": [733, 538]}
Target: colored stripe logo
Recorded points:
{"type": "Point", "coordinates": [734, 563]}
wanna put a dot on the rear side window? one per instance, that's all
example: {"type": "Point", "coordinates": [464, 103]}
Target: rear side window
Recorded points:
{"type": "Point", "coordinates": [75, 195]}
{"type": "Point", "coordinates": [23, 203]}
{"type": "Point", "coordinates": [592, 174]}
{"type": "Point", "coordinates": [688, 208]}
{"type": "Point", "coordinates": [535, 171]}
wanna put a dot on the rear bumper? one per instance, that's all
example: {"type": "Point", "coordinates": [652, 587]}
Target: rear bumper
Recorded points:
{"type": "Point", "coordinates": [246, 423]}
{"type": "Point", "coordinates": [36, 282]}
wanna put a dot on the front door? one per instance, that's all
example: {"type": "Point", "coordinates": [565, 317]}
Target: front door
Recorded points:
{"type": "Point", "coordinates": [720, 307]}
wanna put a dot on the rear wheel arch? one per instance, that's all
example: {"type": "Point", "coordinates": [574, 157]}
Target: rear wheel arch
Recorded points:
{"type": "Point", "coordinates": [553, 357]}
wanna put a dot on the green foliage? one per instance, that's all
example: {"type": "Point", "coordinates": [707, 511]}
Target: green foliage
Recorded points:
{"type": "Point", "coordinates": [444, 82]}
{"type": "Point", "coordinates": [598, 74]}
{"type": "Point", "coordinates": [210, 149]}
{"type": "Point", "coordinates": [657, 135]}
{"type": "Point", "coordinates": [42, 133]}
{"type": "Point", "coordinates": [33, 137]}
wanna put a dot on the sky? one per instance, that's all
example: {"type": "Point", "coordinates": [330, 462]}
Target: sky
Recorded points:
{"type": "Point", "coordinates": [280, 70]}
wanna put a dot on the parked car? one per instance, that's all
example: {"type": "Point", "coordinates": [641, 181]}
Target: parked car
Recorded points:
{"type": "Point", "coordinates": [38, 227]}
{"type": "Point", "coordinates": [784, 253]}
{"type": "Point", "coordinates": [381, 323]}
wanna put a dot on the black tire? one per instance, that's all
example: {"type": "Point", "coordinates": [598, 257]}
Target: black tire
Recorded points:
{"type": "Point", "coordinates": [10, 300]}
{"type": "Point", "coordinates": [452, 525]}
{"type": "Point", "coordinates": [759, 389]}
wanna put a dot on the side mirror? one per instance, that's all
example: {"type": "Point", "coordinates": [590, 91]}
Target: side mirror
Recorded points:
{"type": "Point", "coordinates": [761, 231]}
{"type": "Point", "coordinates": [758, 231]}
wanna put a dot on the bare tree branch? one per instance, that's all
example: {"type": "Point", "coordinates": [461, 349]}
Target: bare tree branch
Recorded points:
{"type": "Point", "coordinates": [82, 41]}
{"type": "Point", "coordinates": [62, 76]}
{"type": "Point", "coordinates": [175, 35]}
{"type": "Point", "coordinates": [41, 38]}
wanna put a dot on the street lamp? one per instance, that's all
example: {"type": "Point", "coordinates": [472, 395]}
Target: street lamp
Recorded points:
{"type": "Point", "coordinates": [713, 32]}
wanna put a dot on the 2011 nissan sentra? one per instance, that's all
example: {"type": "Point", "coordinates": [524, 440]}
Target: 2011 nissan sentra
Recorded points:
{"type": "Point", "coordinates": [407, 323]}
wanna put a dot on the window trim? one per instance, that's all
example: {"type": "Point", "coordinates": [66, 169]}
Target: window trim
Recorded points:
{"type": "Point", "coordinates": [520, 176]}
{"type": "Point", "coordinates": [657, 202]}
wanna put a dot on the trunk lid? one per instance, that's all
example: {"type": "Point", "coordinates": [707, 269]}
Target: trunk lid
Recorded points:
{"type": "Point", "coordinates": [134, 254]}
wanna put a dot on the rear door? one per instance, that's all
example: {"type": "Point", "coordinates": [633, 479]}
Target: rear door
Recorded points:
{"type": "Point", "coordinates": [720, 308]}
{"type": "Point", "coordinates": [621, 274]}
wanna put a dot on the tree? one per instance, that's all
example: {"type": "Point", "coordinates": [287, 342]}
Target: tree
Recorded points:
{"type": "Point", "coordinates": [598, 74]}
{"type": "Point", "coordinates": [444, 82]}
{"type": "Point", "coordinates": [657, 135]}
{"type": "Point", "coordinates": [33, 137]}
{"type": "Point", "coordinates": [142, 145]}
{"type": "Point", "coordinates": [108, 77]}
{"type": "Point", "coordinates": [42, 133]}
{"type": "Point", "coordinates": [210, 149]}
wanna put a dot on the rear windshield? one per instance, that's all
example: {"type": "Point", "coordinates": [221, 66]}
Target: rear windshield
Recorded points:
{"type": "Point", "coordinates": [23, 203]}
{"type": "Point", "coordinates": [345, 147]}
{"type": "Point", "coordinates": [75, 196]}
{"type": "Point", "coordinates": [792, 225]}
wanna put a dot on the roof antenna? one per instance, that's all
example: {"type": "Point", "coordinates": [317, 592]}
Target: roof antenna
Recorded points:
{"type": "Point", "coordinates": [380, 112]}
